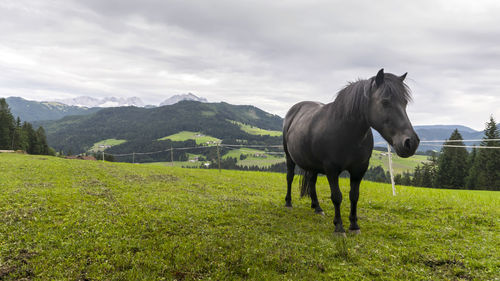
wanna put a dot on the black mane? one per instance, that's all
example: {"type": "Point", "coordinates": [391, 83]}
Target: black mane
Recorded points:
{"type": "Point", "coordinates": [352, 100]}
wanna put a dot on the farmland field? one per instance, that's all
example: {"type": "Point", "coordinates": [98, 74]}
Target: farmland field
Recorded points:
{"type": "Point", "coordinates": [102, 145]}
{"type": "Point", "coordinates": [187, 135]}
{"type": "Point", "coordinates": [256, 130]}
{"type": "Point", "coordinates": [399, 165]}
{"type": "Point", "coordinates": [64, 219]}
{"type": "Point", "coordinates": [254, 157]}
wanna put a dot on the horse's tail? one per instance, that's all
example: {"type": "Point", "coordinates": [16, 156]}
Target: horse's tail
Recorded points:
{"type": "Point", "coordinates": [305, 183]}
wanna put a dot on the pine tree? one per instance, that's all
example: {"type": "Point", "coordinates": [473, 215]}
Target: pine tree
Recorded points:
{"type": "Point", "coordinates": [6, 125]}
{"type": "Point", "coordinates": [452, 164]}
{"type": "Point", "coordinates": [486, 165]}
{"type": "Point", "coordinates": [470, 180]}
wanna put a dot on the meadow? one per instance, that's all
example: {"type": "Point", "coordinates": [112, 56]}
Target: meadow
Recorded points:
{"type": "Point", "coordinates": [187, 135]}
{"type": "Point", "coordinates": [104, 144]}
{"type": "Point", "coordinates": [63, 219]}
{"type": "Point", "coordinates": [256, 130]}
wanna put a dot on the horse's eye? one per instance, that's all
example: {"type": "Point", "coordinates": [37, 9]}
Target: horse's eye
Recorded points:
{"type": "Point", "coordinates": [386, 103]}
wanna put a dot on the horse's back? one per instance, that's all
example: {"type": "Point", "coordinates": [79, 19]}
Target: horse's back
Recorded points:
{"type": "Point", "coordinates": [301, 110]}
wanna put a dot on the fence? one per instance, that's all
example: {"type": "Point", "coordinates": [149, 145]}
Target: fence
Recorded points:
{"type": "Point", "coordinates": [431, 143]}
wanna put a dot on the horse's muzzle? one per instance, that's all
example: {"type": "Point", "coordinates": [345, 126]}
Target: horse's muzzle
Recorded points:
{"type": "Point", "coordinates": [406, 146]}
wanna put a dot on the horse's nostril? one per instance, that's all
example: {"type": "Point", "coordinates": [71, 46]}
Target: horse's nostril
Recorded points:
{"type": "Point", "coordinates": [407, 144]}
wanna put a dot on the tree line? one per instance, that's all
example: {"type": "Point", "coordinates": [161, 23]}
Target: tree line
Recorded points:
{"type": "Point", "coordinates": [17, 135]}
{"type": "Point", "coordinates": [456, 168]}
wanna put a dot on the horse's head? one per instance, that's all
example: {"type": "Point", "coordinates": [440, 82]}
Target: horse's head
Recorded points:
{"type": "Point", "coordinates": [388, 97]}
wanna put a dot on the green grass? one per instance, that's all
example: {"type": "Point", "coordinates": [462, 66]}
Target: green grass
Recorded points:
{"type": "Point", "coordinates": [399, 164]}
{"type": "Point", "coordinates": [188, 135]}
{"type": "Point", "coordinates": [252, 158]}
{"type": "Point", "coordinates": [255, 130]}
{"type": "Point", "coordinates": [109, 142]}
{"type": "Point", "coordinates": [66, 219]}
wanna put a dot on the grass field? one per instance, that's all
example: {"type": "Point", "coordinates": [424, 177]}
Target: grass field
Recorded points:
{"type": "Point", "coordinates": [187, 135]}
{"type": "Point", "coordinates": [102, 145]}
{"type": "Point", "coordinates": [255, 130]}
{"type": "Point", "coordinates": [264, 160]}
{"type": "Point", "coordinates": [66, 219]}
{"type": "Point", "coordinates": [399, 165]}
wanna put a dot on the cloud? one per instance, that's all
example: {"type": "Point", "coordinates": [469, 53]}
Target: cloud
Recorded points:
{"type": "Point", "coordinates": [270, 54]}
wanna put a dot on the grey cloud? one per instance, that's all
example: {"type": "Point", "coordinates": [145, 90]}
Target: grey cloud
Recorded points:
{"type": "Point", "coordinates": [271, 54]}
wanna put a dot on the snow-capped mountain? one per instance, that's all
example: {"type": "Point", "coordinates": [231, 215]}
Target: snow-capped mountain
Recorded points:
{"type": "Point", "coordinates": [177, 98]}
{"type": "Point", "coordinates": [85, 101]}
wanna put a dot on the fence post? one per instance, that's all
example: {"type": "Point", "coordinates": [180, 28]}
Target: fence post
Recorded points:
{"type": "Point", "coordinates": [103, 156]}
{"type": "Point", "coordinates": [133, 157]}
{"type": "Point", "coordinates": [218, 155]}
{"type": "Point", "coordinates": [390, 169]}
{"type": "Point", "coordinates": [171, 156]}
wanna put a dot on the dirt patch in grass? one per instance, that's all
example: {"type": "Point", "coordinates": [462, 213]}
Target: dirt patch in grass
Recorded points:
{"type": "Point", "coordinates": [98, 191]}
{"type": "Point", "coordinates": [17, 266]}
{"type": "Point", "coordinates": [162, 178]}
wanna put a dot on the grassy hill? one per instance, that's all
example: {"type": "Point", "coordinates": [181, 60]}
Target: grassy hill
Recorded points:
{"type": "Point", "coordinates": [254, 157]}
{"type": "Point", "coordinates": [196, 136]}
{"type": "Point", "coordinates": [142, 127]}
{"type": "Point", "coordinates": [88, 220]}
{"type": "Point", "coordinates": [399, 165]}
{"type": "Point", "coordinates": [257, 131]}
{"type": "Point", "coordinates": [104, 144]}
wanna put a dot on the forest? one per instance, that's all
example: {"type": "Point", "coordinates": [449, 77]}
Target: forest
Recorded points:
{"type": "Point", "coordinates": [17, 135]}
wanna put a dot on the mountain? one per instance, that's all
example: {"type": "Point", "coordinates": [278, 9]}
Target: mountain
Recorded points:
{"type": "Point", "coordinates": [436, 132]}
{"type": "Point", "coordinates": [35, 111]}
{"type": "Point", "coordinates": [85, 101]}
{"type": "Point", "coordinates": [177, 98]}
{"type": "Point", "coordinates": [142, 127]}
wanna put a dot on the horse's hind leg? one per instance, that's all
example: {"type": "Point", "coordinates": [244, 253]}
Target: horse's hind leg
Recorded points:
{"type": "Point", "coordinates": [314, 196]}
{"type": "Point", "coordinates": [290, 173]}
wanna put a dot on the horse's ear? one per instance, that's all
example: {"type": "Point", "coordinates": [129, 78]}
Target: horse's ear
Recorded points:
{"type": "Point", "coordinates": [379, 79]}
{"type": "Point", "coordinates": [402, 77]}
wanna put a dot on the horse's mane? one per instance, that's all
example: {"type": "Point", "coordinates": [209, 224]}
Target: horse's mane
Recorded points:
{"type": "Point", "coordinates": [351, 101]}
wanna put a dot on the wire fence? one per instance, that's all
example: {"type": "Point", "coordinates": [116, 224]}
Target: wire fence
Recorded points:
{"type": "Point", "coordinates": [241, 147]}
{"type": "Point", "coordinates": [431, 143]}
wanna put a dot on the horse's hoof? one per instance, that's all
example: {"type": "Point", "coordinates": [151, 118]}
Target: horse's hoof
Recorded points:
{"type": "Point", "coordinates": [321, 213]}
{"type": "Point", "coordinates": [355, 231]}
{"type": "Point", "coordinates": [288, 206]}
{"type": "Point", "coordinates": [339, 234]}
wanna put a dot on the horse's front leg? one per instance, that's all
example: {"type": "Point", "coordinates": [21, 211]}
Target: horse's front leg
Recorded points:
{"type": "Point", "coordinates": [336, 196]}
{"type": "Point", "coordinates": [356, 177]}
{"type": "Point", "coordinates": [353, 197]}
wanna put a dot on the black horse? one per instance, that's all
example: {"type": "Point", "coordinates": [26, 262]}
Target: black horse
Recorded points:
{"type": "Point", "coordinates": [330, 138]}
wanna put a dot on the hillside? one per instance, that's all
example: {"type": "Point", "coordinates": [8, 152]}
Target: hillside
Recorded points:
{"type": "Point", "coordinates": [88, 220]}
{"type": "Point", "coordinates": [30, 111]}
{"type": "Point", "coordinates": [142, 127]}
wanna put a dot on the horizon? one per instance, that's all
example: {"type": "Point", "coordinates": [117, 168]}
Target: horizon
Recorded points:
{"type": "Point", "coordinates": [158, 104]}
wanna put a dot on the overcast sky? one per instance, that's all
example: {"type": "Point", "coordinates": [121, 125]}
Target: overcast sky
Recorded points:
{"type": "Point", "coordinates": [270, 54]}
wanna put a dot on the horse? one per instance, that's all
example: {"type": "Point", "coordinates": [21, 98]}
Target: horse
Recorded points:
{"type": "Point", "coordinates": [337, 136]}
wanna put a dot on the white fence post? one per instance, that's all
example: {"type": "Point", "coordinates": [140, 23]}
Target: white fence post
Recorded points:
{"type": "Point", "coordinates": [390, 169]}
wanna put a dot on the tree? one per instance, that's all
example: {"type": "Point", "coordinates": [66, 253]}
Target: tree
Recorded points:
{"type": "Point", "coordinates": [452, 164]}
{"type": "Point", "coordinates": [424, 175]}
{"type": "Point", "coordinates": [6, 125]}
{"type": "Point", "coordinates": [485, 171]}
{"type": "Point", "coordinates": [470, 180]}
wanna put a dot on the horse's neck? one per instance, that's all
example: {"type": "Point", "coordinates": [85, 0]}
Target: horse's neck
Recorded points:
{"type": "Point", "coordinates": [355, 123]}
